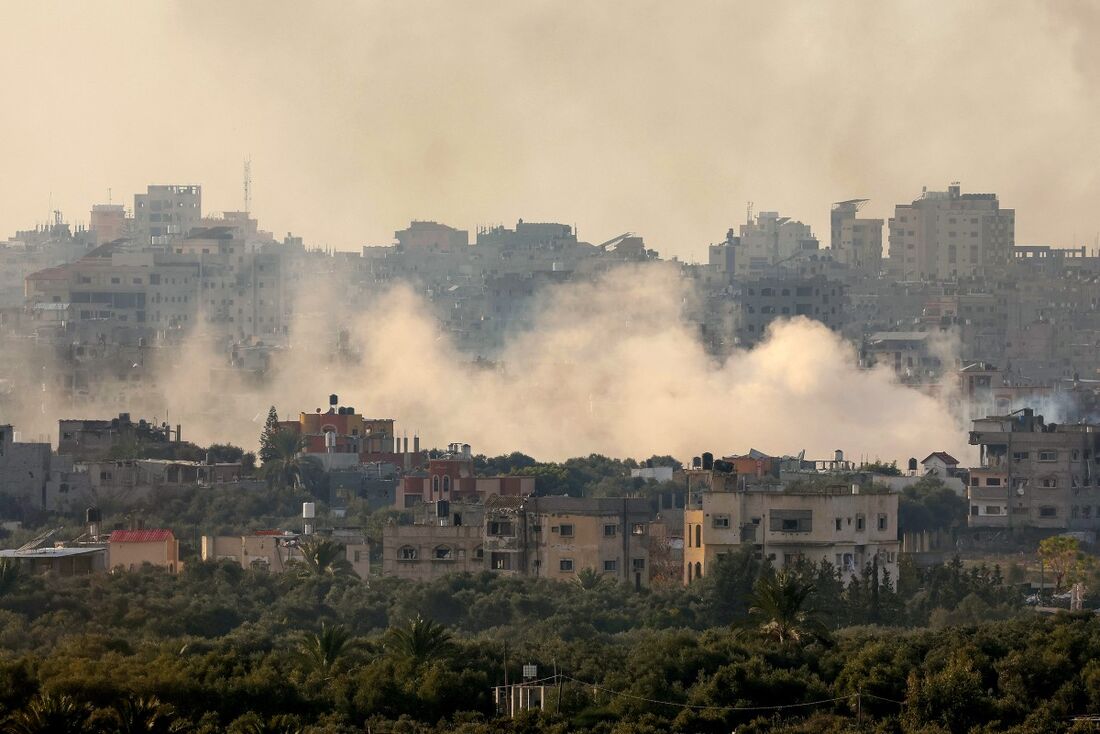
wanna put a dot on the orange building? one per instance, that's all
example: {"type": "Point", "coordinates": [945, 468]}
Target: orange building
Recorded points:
{"type": "Point", "coordinates": [131, 549]}
{"type": "Point", "coordinates": [372, 439]}
{"type": "Point", "coordinates": [451, 478]}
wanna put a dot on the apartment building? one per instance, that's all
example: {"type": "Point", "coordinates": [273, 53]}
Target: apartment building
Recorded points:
{"type": "Point", "coordinates": [846, 526]}
{"type": "Point", "coordinates": [445, 537]}
{"type": "Point", "coordinates": [763, 300]}
{"type": "Point", "coordinates": [947, 235]}
{"type": "Point", "coordinates": [557, 537]}
{"type": "Point", "coordinates": [1034, 474]}
{"type": "Point", "coordinates": [165, 213]}
{"type": "Point", "coordinates": [767, 240]}
{"type": "Point", "coordinates": [855, 241]}
{"type": "Point", "coordinates": [451, 477]}
{"type": "Point", "coordinates": [277, 551]}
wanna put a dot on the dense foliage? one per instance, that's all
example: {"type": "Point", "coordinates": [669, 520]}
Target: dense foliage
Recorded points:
{"type": "Point", "coordinates": [222, 649]}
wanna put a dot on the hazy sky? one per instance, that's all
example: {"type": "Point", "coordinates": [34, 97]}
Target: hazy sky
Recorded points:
{"type": "Point", "coordinates": [659, 118]}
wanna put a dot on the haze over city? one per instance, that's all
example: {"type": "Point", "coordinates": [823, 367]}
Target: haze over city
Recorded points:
{"type": "Point", "coordinates": [658, 118]}
{"type": "Point", "coordinates": [607, 367]}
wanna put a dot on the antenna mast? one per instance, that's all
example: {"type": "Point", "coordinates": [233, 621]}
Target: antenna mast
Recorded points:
{"type": "Point", "coordinates": [248, 184]}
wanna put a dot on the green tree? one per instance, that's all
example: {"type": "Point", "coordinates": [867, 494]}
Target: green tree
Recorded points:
{"type": "Point", "coordinates": [323, 650]}
{"type": "Point", "coordinates": [781, 603]}
{"type": "Point", "coordinates": [10, 575]}
{"type": "Point", "coordinates": [324, 557]}
{"type": "Point", "coordinates": [1062, 555]}
{"type": "Point", "coordinates": [267, 436]}
{"type": "Point", "coordinates": [288, 466]}
{"type": "Point", "coordinates": [49, 714]}
{"type": "Point", "coordinates": [149, 715]}
{"type": "Point", "coordinates": [419, 640]}
{"type": "Point", "coordinates": [588, 579]}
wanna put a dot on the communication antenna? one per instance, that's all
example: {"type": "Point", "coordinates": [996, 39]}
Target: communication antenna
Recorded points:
{"type": "Point", "coordinates": [748, 213]}
{"type": "Point", "coordinates": [248, 184]}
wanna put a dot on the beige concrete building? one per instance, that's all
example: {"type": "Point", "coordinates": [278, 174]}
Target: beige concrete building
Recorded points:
{"type": "Point", "coordinates": [847, 527]}
{"type": "Point", "coordinates": [946, 235]}
{"type": "Point", "coordinates": [129, 550]}
{"type": "Point", "coordinates": [276, 551]}
{"type": "Point", "coordinates": [557, 537]}
{"type": "Point", "coordinates": [856, 242]}
{"type": "Point", "coordinates": [446, 537]}
{"type": "Point", "coordinates": [1034, 474]}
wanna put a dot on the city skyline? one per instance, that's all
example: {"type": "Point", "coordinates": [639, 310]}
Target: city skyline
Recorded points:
{"type": "Point", "coordinates": [359, 118]}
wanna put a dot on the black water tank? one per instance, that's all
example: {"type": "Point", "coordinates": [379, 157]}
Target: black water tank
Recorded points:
{"type": "Point", "coordinates": [333, 399]}
{"type": "Point", "coordinates": [696, 462]}
{"type": "Point", "coordinates": [92, 514]}
{"type": "Point", "coordinates": [708, 460]}
{"type": "Point", "coordinates": [723, 466]}
{"type": "Point", "coordinates": [913, 464]}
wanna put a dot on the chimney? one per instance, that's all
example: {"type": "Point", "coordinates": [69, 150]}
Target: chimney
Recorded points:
{"type": "Point", "coordinates": [416, 443]}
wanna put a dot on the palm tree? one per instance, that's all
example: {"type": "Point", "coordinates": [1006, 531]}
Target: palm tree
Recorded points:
{"type": "Point", "coordinates": [588, 579]}
{"type": "Point", "coordinates": [323, 557]}
{"type": "Point", "coordinates": [780, 603]}
{"type": "Point", "coordinates": [149, 715]}
{"type": "Point", "coordinates": [323, 650]}
{"type": "Point", "coordinates": [49, 714]}
{"type": "Point", "coordinates": [420, 640]}
{"type": "Point", "coordinates": [10, 575]}
{"type": "Point", "coordinates": [288, 466]}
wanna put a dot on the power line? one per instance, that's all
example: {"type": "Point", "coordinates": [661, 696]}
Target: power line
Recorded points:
{"type": "Point", "coordinates": [719, 708]}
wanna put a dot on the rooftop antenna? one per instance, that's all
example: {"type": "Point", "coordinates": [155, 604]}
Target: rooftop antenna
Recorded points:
{"type": "Point", "coordinates": [109, 201]}
{"type": "Point", "coordinates": [748, 213]}
{"type": "Point", "coordinates": [248, 184]}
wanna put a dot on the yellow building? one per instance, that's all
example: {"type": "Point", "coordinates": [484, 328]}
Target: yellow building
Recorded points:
{"type": "Point", "coordinates": [847, 527]}
{"type": "Point", "coordinates": [557, 537]}
{"type": "Point", "coordinates": [131, 549]}
{"type": "Point", "coordinates": [276, 551]}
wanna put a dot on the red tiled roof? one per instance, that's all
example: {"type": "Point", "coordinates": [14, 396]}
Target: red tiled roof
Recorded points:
{"type": "Point", "coordinates": [141, 536]}
{"type": "Point", "coordinates": [943, 456]}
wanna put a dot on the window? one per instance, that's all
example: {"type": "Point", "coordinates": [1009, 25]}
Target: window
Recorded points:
{"type": "Point", "coordinates": [882, 521]}
{"type": "Point", "coordinates": [610, 530]}
{"type": "Point", "coordinates": [721, 521]}
{"type": "Point", "coordinates": [610, 566]}
{"type": "Point", "coordinates": [638, 528]}
{"type": "Point", "coordinates": [638, 564]}
{"type": "Point", "coordinates": [435, 485]}
{"type": "Point", "coordinates": [500, 527]}
{"type": "Point", "coordinates": [992, 481]}
{"type": "Point", "coordinates": [406, 553]}
{"type": "Point", "coordinates": [446, 484]}
{"type": "Point", "coordinates": [1048, 511]}
{"type": "Point", "coordinates": [791, 521]}
{"type": "Point", "coordinates": [860, 522]}
{"type": "Point", "coordinates": [565, 565]}
{"type": "Point", "coordinates": [698, 536]}
{"type": "Point", "coordinates": [479, 553]}
{"type": "Point", "coordinates": [566, 531]}
{"type": "Point", "coordinates": [1049, 482]}
{"type": "Point", "coordinates": [442, 553]}
{"type": "Point", "coordinates": [1020, 456]}
{"type": "Point", "coordinates": [1048, 456]}
{"type": "Point", "coordinates": [839, 523]}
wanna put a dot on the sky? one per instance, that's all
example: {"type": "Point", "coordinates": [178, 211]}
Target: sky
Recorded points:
{"type": "Point", "coordinates": [663, 119]}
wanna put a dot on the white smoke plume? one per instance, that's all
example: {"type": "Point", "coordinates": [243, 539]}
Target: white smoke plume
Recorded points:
{"type": "Point", "coordinates": [608, 367]}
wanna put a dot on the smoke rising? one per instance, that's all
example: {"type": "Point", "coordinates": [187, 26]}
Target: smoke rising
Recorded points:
{"type": "Point", "coordinates": [608, 367]}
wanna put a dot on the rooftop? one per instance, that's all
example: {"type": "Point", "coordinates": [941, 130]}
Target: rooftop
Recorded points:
{"type": "Point", "coordinates": [141, 536]}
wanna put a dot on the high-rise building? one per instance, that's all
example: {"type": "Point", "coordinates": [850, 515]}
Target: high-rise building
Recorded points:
{"type": "Point", "coordinates": [856, 242]}
{"type": "Point", "coordinates": [947, 235]}
{"type": "Point", "coordinates": [770, 239]}
{"type": "Point", "coordinates": [166, 213]}
{"type": "Point", "coordinates": [108, 222]}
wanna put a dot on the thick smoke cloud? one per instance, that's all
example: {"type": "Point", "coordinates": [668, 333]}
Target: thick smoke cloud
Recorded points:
{"type": "Point", "coordinates": [608, 367]}
{"type": "Point", "coordinates": [663, 118]}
